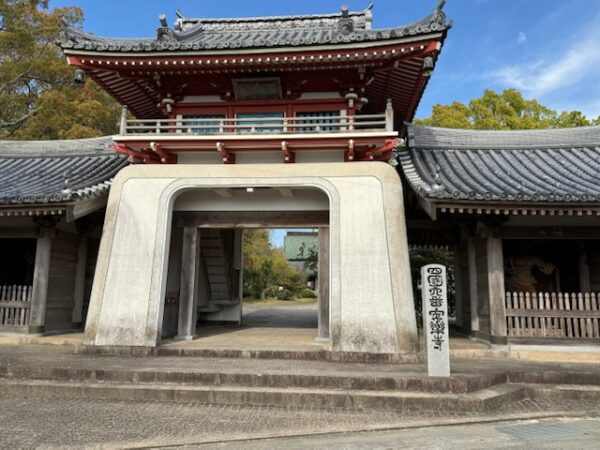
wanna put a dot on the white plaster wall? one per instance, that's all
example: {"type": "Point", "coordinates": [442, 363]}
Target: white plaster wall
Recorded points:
{"type": "Point", "coordinates": [372, 306]}
{"type": "Point", "coordinates": [259, 200]}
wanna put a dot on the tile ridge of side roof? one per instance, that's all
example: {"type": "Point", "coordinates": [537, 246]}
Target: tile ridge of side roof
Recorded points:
{"type": "Point", "coordinates": [424, 136]}
{"type": "Point", "coordinates": [97, 146]}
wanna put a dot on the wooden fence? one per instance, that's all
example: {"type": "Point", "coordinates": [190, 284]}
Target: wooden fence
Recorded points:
{"type": "Point", "coordinates": [553, 315]}
{"type": "Point", "coordinates": [15, 306]}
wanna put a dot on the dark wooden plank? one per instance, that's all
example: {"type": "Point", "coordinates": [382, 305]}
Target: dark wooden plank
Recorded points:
{"type": "Point", "coordinates": [250, 219]}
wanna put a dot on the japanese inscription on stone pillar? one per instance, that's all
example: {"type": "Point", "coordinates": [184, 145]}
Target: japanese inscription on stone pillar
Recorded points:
{"type": "Point", "coordinates": [435, 319]}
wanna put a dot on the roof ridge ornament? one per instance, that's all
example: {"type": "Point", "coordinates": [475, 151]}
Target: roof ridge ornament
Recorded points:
{"type": "Point", "coordinates": [346, 23]}
{"type": "Point", "coordinates": [440, 5]}
{"type": "Point", "coordinates": [164, 33]}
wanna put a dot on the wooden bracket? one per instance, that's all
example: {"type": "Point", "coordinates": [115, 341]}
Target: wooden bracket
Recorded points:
{"type": "Point", "coordinates": [288, 156]}
{"type": "Point", "coordinates": [165, 157]}
{"type": "Point", "coordinates": [228, 158]}
{"type": "Point", "coordinates": [384, 149]}
{"type": "Point", "coordinates": [136, 156]}
{"type": "Point", "coordinates": [349, 154]}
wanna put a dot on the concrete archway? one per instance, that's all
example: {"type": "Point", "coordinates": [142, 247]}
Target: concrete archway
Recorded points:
{"type": "Point", "coordinates": [372, 307]}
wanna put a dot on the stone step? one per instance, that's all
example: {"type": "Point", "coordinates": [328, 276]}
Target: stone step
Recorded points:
{"type": "Point", "coordinates": [398, 401]}
{"type": "Point", "coordinates": [209, 308]}
{"type": "Point", "coordinates": [215, 270]}
{"type": "Point", "coordinates": [225, 302]}
{"type": "Point", "coordinates": [265, 379]}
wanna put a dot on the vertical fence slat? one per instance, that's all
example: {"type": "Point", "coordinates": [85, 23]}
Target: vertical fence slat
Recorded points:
{"type": "Point", "coordinates": [15, 305]}
{"type": "Point", "coordinates": [594, 303]}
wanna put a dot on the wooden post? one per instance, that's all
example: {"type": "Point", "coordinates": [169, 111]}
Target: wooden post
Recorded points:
{"type": "Point", "coordinates": [41, 275]}
{"type": "Point", "coordinates": [495, 266]}
{"type": "Point", "coordinates": [584, 269]}
{"type": "Point", "coordinates": [188, 292]}
{"type": "Point", "coordinates": [389, 116]}
{"type": "Point", "coordinates": [323, 277]}
{"type": "Point", "coordinates": [459, 292]}
{"type": "Point", "coordinates": [79, 283]}
{"type": "Point", "coordinates": [472, 259]}
{"type": "Point", "coordinates": [123, 123]}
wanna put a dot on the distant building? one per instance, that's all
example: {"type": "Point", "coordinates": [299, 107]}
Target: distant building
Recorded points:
{"type": "Point", "coordinates": [298, 246]}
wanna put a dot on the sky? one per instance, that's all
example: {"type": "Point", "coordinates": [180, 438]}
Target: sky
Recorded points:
{"type": "Point", "coordinates": [548, 49]}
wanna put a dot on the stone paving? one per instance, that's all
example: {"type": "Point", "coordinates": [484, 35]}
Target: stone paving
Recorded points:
{"type": "Point", "coordinates": [50, 422]}
{"type": "Point", "coordinates": [580, 433]}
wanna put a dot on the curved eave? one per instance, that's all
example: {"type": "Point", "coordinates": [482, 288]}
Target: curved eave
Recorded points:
{"type": "Point", "coordinates": [256, 50]}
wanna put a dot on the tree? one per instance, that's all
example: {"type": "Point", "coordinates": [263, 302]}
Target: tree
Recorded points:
{"type": "Point", "coordinates": [506, 111]}
{"type": "Point", "coordinates": [39, 97]}
{"type": "Point", "coordinates": [265, 267]}
{"type": "Point", "coordinates": [310, 255]}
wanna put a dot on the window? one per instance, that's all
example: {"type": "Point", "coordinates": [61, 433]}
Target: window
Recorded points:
{"type": "Point", "coordinates": [203, 124]}
{"type": "Point", "coordinates": [260, 123]}
{"type": "Point", "coordinates": [320, 118]}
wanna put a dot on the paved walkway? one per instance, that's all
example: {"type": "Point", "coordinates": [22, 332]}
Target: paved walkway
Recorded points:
{"type": "Point", "coordinates": [60, 423]}
{"type": "Point", "coordinates": [563, 433]}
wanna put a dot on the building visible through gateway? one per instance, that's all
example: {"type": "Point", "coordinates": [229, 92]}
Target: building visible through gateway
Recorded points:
{"type": "Point", "coordinates": [293, 122]}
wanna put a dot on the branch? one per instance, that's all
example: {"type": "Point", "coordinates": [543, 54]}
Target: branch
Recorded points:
{"type": "Point", "coordinates": [19, 121]}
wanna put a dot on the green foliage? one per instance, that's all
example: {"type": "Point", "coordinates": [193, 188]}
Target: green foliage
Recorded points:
{"type": "Point", "coordinates": [266, 269]}
{"type": "Point", "coordinates": [506, 111]}
{"type": "Point", "coordinates": [310, 255]}
{"type": "Point", "coordinates": [308, 293]}
{"type": "Point", "coordinates": [38, 96]}
{"type": "Point", "coordinates": [285, 294]}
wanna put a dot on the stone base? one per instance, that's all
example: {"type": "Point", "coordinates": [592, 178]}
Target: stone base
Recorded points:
{"type": "Point", "coordinates": [185, 337]}
{"type": "Point", "coordinates": [36, 329]}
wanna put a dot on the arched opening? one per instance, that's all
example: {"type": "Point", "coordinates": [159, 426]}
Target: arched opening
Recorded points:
{"type": "Point", "coordinates": [204, 296]}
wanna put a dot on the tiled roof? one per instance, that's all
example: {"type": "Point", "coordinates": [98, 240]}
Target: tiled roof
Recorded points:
{"type": "Point", "coordinates": [532, 166]}
{"type": "Point", "coordinates": [259, 32]}
{"type": "Point", "coordinates": [43, 172]}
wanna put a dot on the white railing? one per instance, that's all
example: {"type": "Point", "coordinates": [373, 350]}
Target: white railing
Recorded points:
{"type": "Point", "coordinates": [15, 305]}
{"type": "Point", "coordinates": [553, 314]}
{"type": "Point", "coordinates": [199, 126]}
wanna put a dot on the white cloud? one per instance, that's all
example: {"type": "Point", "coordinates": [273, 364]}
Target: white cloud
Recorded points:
{"type": "Point", "coordinates": [577, 62]}
{"type": "Point", "coordinates": [522, 38]}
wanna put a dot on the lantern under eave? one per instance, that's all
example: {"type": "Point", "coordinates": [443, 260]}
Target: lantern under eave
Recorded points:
{"type": "Point", "coordinates": [269, 89]}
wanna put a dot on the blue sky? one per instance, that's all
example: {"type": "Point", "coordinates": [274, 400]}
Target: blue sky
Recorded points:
{"type": "Point", "coordinates": [549, 49]}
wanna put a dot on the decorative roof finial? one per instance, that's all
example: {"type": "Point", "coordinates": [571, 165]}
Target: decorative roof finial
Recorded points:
{"type": "Point", "coordinates": [163, 20]}
{"type": "Point", "coordinates": [345, 11]}
{"type": "Point", "coordinates": [440, 5]}
{"type": "Point", "coordinates": [369, 6]}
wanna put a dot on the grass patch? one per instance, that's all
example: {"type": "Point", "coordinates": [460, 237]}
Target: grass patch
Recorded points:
{"type": "Point", "coordinates": [275, 302]}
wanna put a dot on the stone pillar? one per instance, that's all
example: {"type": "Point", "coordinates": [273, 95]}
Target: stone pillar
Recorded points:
{"type": "Point", "coordinates": [188, 292]}
{"type": "Point", "coordinates": [79, 283]}
{"type": "Point", "coordinates": [473, 298]}
{"type": "Point", "coordinates": [41, 275]}
{"type": "Point", "coordinates": [323, 278]}
{"type": "Point", "coordinates": [495, 266]}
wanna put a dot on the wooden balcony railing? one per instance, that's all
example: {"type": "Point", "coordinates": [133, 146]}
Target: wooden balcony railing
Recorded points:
{"type": "Point", "coordinates": [553, 315]}
{"type": "Point", "coordinates": [15, 306]}
{"type": "Point", "coordinates": [199, 126]}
